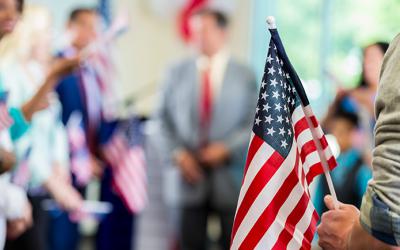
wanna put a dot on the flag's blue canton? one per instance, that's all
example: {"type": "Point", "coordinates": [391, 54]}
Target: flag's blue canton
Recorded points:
{"type": "Point", "coordinates": [276, 103]}
{"type": "Point", "coordinates": [132, 130]}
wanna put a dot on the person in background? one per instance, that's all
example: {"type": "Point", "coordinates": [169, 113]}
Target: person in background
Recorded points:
{"type": "Point", "coordinates": [14, 206]}
{"type": "Point", "coordinates": [351, 177]}
{"type": "Point", "coordinates": [42, 153]}
{"type": "Point", "coordinates": [365, 93]}
{"type": "Point", "coordinates": [80, 93]}
{"type": "Point", "coordinates": [206, 114]}
{"type": "Point", "coordinates": [377, 225]}
{"type": "Point", "coordinates": [361, 99]}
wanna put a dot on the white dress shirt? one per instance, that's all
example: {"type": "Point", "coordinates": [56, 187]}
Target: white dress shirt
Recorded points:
{"type": "Point", "coordinates": [217, 65]}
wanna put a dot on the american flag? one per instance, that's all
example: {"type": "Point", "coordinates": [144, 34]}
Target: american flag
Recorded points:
{"type": "Point", "coordinates": [5, 119]}
{"type": "Point", "coordinates": [124, 152]}
{"type": "Point", "coordinates": [79, 150]}
{"type": "Point", "coordinates": [22, 174]}
{"type": "Point", "coordinates": [287, 150]}
{"type": "Point", "coordinates": [99, 57]}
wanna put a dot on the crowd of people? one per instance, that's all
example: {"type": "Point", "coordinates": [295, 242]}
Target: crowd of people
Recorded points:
{"type": "Point", "coordinates": [53, 128]}
{"type": "Point", "coordinates": [39, 149]}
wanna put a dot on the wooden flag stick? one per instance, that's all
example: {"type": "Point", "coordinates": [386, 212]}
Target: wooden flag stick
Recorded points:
{"type": "Point", "coordinates": [308, 113]}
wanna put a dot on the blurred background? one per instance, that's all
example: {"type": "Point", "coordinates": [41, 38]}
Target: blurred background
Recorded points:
{"type": "Point", "coordinates": [325, 40]}
{"type": "Point", "coordinates": [328, 35]}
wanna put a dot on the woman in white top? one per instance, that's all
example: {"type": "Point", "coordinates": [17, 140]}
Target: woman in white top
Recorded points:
{"type": "Point", "coordinates": [15, 211]}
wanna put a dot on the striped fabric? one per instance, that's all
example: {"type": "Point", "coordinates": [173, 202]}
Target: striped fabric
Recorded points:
{"type": "Point", "coordinates": [5, 119]}
{"type": "Point", "coordinates": [287, 150]}
{"type": "Point", "coordinates": [81, 163]}
{"type": "Point", "coordinates": [125, 154]}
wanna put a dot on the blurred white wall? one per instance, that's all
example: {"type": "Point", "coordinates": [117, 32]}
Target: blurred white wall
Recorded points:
{"type": "Point", "coordinates": [60, 9]}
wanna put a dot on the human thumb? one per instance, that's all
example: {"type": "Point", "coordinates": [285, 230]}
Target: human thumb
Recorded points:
{"type": "Point", "coordinates": [330, 203]}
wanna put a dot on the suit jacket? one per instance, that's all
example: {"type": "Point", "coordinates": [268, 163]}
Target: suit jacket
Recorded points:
{"type": "Point", "coordinates": [72, 96]}
{"type": "Point", "coordinates": [233, 113]}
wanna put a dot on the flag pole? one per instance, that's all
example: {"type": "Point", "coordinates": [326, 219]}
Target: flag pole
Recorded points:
{"type": "Point", "coordinates": [271, 22]}
{"type": "Point", "coordinates": [272, 26]}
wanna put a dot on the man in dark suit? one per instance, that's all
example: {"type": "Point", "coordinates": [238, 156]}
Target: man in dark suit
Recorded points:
{"type": "Point", "coordinates": [206, 112]}
{"type": "Point", "coordinates": [81, 93]}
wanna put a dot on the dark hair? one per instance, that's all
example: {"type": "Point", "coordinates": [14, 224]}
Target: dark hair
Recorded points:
{"type": "Point", "coordinates": [383, 46]}
{"type": "Point", "coordinates": [78, 11]}
{"type": "Point", "coordinates": [221, 18]}
{"type": "Point", "coordinates": [20, 5]}
{"type": "Point", "coordinates": [351, 117]}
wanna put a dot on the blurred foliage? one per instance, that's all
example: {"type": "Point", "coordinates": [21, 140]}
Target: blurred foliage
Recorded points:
{"type": "Point", "coordinates": [354, 24]}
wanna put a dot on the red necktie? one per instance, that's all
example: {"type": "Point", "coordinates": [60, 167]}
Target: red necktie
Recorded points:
{"type": "Point", "coordinates": [205, 106]}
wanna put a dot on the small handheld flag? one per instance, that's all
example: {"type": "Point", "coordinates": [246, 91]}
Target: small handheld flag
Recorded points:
{"type": "Point", "coordinates": [80, 155]}
{"type": "Point", "coordinates": [287, 150]}
{"type": "Point", "coordinates": [124, 152]}
{"type": "Point", "coordinates": [5, 119]}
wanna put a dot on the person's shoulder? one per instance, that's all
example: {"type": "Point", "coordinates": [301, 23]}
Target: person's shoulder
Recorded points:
{"type": "Point", "coordinates": [238, 64]}
{"type": "Point", "coordinates": [181, 64]}
{"type": "Point", "coordinates": [242, 72]}
{"type": "Point", "coordinates": [240, 67]}
{"type": "Point", "coordinates": [392, 54]}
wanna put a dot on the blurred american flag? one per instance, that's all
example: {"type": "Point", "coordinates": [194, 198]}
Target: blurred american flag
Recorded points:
{"type": "Point", "coordinates": [5, 119]}
{"type": "Point", "coordinates": [124, 152]}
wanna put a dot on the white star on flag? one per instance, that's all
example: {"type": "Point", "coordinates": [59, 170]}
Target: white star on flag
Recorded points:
{"type": "Point", "coordinates": [264, 96]}
{"type": "Point", "coordinates": [284, 144]}
{"type": "Point", "coordinates": [278, 106]}
{"type": "Point", "coordinates": [266, 107]}
{"type": "Point", "coordinates": [280, 119]}
{"type": "Point", "coordinates": [268, 119]}
{"type": "Point", "coordinates": [271, 71]}
{"type": "Point", "coordinates": [271, 131]}
{"type": "Point", "coordinates": [274, 82]}
{"type": "Point", "coordinates": [275, 94]}
{"type": "Point", "coordinates": [269, 59]}
{"type": "Point", "coordinates": [263, 84]}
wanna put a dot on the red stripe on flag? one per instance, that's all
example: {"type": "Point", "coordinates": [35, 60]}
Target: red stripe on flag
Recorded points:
{"type": "Point", "coordinates": [318, 169]}
{"type": "Point", "coordinates": [260, 180]}
{"type": "Point", "coordinates": [307, 149]}
{"type": "Point", "coordinates": [287, 234]}
{"type": "Point", "coordinates": [255, 144]}
{"type": "Point", "coordinates": [314, 121]}
{"type": "Point", "coordinates": [309, 234]}
{"type": "Point", "coordinates": [324, 142]}
{"type": "Point", "coordinates": [271, 211]}
{"type": "Point", "coordinates": [300, 126]}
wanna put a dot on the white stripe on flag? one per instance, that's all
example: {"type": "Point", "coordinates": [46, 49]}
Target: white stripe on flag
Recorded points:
{"type": "Point", "coordinates": [297, 114]}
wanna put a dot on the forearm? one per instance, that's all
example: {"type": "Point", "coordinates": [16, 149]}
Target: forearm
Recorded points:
{"type": "Point", "coordinates": [30, 107]}
{"type": "Point", "coordinates": [360, 239]}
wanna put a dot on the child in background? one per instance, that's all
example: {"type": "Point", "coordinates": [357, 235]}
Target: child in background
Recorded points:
{"type": "Point", "coordinates": [351, 176]}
